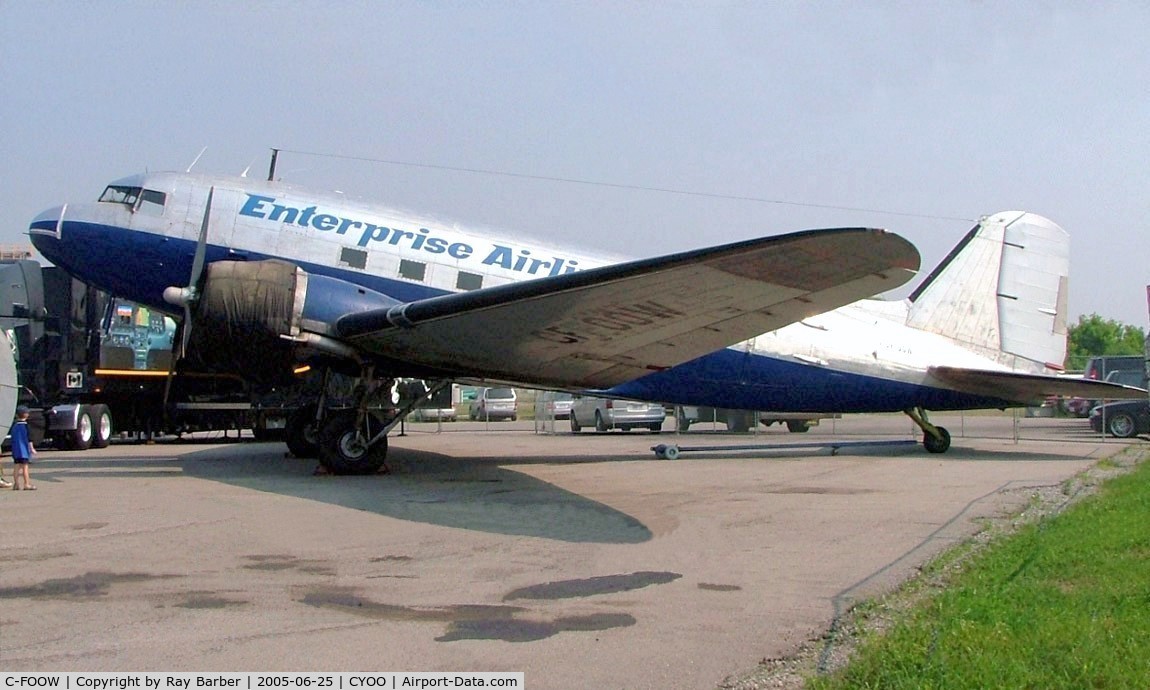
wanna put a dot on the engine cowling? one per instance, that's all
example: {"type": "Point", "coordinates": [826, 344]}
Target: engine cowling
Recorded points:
{"type": "Point", "coordinates": [245, 307]}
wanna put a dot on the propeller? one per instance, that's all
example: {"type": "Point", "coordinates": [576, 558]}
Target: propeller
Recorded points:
{"type": "Point", "coordinates": [186, 296]}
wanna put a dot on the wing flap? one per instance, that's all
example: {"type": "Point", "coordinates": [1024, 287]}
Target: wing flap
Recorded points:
{"type": "Point", "coordinates": [1031, 388]}
{"type": "Point", "coordinates": [601, 327]}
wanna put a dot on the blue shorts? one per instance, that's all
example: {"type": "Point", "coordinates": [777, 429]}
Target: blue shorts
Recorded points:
{"type": "Point", "coordinates": [20, 461]}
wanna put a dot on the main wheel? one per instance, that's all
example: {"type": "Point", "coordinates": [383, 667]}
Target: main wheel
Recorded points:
{"type": "Point", "coordinates": [1122, 425]}
{"type": "Point", "coordinates": [937, 445]}
{"type": "Point", "coordinates": [102, 425]}
{"type": "Point", "coordinates": [343, 448]}
{"type": "Point", "coordinates": [301, 435]}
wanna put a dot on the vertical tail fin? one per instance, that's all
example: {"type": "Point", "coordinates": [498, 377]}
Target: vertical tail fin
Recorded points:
{"type": "Point", "coordinates": [1002, 291]}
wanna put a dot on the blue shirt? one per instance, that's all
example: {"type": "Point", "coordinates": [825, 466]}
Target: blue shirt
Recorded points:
{"type": "Point", "coordinates": [21, 445]}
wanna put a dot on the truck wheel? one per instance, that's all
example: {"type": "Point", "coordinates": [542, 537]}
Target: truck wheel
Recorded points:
{"type": "Point", "coordinates": [80, 438]}
{"type": "Point", "coordinates": [101, 425]}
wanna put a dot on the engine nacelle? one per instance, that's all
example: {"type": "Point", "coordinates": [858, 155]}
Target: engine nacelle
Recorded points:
{"type": "Point", "coordinates": [245, 307]}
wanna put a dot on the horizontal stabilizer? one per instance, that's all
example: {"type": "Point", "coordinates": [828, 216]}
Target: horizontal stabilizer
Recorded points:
{"type": "Point", "coordinates": [1031, 388]}
{"type": "Point", "coordinates": [603, 326]}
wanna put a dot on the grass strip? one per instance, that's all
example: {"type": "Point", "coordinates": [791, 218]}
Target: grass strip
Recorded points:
{"type": "Point", "coordinates": [1062, 603]}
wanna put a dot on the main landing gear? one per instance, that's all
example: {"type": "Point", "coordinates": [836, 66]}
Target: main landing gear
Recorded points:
{"type": "Point", "coordinates": [935, 439]}
{"type": "Point", "coordinates": [353, 439]}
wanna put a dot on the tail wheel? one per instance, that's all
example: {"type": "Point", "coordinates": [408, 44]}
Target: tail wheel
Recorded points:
{"type": "Point", "coordinates": [101, 418]}
{"type": "Point", "coordinates": [937, 445]}
{"type": "Point", "coordinates": [344, 449]}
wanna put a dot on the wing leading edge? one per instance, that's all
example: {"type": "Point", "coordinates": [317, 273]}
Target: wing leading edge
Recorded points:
{"type": "Point", "coordinates": [1031, 388]}
{"type": "Point", "coordinates": [600, 327]}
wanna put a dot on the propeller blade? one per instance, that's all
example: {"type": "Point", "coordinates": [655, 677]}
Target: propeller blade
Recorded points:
{"type": "Point", "coordinates": [190, 294]}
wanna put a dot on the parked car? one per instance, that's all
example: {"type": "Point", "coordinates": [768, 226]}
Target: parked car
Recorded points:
{"type": "Point", "coordinates": [495, 403]}
{"type": "Point", "coordinates": [553, 405]}
{"type": "Point", "coordinates": [1081, 407]}
{"type": "Point", "coordinates": [1098, 368]}
{"type": "Point", "coordinates": [432, 414]}
{"type": "Point", "coordinates": [1124, 419]}
{"type": "Point", "coordinates": [605, 414]}
{"type": "Point", "coordinates": [741, 420]}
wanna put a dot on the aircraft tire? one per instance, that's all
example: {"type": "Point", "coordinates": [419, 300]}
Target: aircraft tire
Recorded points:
{"type": "Point", "coordinates": [101, 425]}
{"type": "Point", "coordinates": [937, 445]}
{"type": "Point", "coordinates": [343, 450]}
{"type": "Point", "coordinates": [300, 434]}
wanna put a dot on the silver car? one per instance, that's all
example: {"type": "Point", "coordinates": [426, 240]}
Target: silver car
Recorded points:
{"type": "Point", "coordinates": [605, 414]}
{"type": "Point", "coordinates": [495, 403]}
{"type": "Point", "coordinates": [553, 405]}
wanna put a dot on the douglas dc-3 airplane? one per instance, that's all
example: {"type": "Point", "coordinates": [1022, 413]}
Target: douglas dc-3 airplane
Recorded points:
{"type": "Point", "coordinates": [270, 276]}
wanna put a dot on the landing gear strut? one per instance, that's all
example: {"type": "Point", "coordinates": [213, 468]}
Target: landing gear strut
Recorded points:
{"type": "Point", "coordinates": [354, 440]}
{"type": "Point", "coordinates": [935, 439]}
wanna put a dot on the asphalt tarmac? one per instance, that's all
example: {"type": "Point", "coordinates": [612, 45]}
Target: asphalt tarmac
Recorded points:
{"type": "Point", "coordinates": [581, 560]}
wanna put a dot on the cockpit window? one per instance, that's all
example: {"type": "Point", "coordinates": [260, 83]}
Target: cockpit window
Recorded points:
{"type": "Point", "coordinates": [139, 199]}
{"type": "Point", "coordinates": [117, 194]}
{"type": "Point", "coordinates": [152, 202]}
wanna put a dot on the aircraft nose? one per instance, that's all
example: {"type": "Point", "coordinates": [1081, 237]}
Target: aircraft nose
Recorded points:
{"type": "Point", "coordinates": [45, 230]}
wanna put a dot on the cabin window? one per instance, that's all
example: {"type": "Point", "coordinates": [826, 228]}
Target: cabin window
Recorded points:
{"type": "Point", "coordinates": [412, 270]}
{"type": "Point", "coordinates": [468, 281]}
{"type": "Point", "coordinates": [118, 194]}
{"type": "Point", "coordinates": [356, 258]}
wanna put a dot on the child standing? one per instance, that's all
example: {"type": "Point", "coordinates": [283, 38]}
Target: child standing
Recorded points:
{"type": "Point", "coordinates": [22, 450]}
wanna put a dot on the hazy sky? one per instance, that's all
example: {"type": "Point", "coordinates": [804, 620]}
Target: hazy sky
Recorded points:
{"type": "Point", "coordinates": [920, 116]}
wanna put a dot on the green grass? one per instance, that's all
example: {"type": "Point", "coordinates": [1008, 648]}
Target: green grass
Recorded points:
{"type": "Point", "coordinates": [1064, 603]}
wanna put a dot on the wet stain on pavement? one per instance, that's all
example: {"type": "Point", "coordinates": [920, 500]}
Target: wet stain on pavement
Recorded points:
{"type": "Point", "coordinates": [91, 584]}
{"type": "Point", "coordinates": [719, 588]}
{"type": "Point", "coordinates": [273, 562]}
{"type": "Point", "coordinates": [465, 621]}
{"type": "Point", "coordinates": [35, 557]}
{"type": "Point", "coordinates": [90, 525]}
{"type": "Point", "coordinates": [208, 600]}
{"type": "Point", "coordinates": [604, 584]}
{"type": "Point", "coordinates": [819, 490]}
{"type": "Point", "coordinates": [513, 630]}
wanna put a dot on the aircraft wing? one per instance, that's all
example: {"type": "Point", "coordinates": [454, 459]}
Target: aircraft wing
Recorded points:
{"type": "Point", "coordinates": [1031, 388]}
{"type": "Point", "coordinates": [600, 327]}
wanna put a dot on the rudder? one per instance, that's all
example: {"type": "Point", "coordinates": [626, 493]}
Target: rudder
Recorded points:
{"type": "Point", "coordinates": [1002, 290]}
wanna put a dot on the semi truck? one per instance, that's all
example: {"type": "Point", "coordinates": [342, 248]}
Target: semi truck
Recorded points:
{"type": "Point", "coordinates": [89, 365]}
